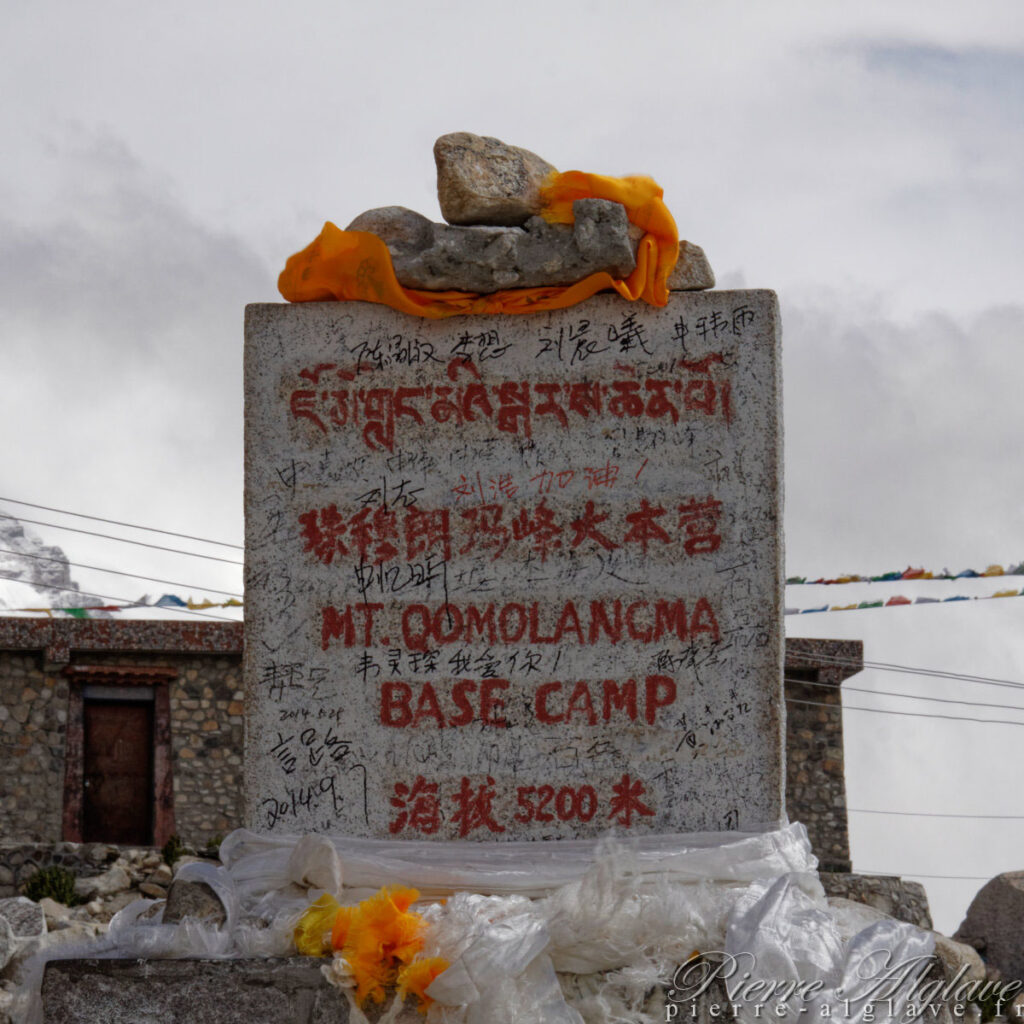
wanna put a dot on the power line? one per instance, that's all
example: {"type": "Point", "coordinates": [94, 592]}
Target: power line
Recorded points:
{"type": "Point", "coordinates": [933, 814]}
{"type": "Point", "coordinates": [108, 597]}
{"type": "Point", "coordinates": [134, 576]}
{"type": "Point", "coordinates": [117, 522]}
{"type": "Point", "coordinates": [811, 660]}
{"type": "Point", "coordinates": [908, 696]}
{"type": "Point", "coordinates": [917, 874]}
{"type": "Point", "coordinates": [905, 714]}
{"type": "Point", "coordinates": [123, 540]}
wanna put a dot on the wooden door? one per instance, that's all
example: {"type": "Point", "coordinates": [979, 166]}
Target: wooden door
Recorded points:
{"type": "Point", "coordinates": [118, 772]}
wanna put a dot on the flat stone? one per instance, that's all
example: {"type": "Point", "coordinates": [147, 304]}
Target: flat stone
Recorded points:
{"type": "Point", "coordinates": [55, 914]}
{"type": "Point", "coordinates": [193, 899]}
{"type": "Point", "coordinates": [25, 916]}
{"type": "Point", "coordinates": [482, 180]}
{"type": "Point", "coordinates": [263, 991]}
{"type": "Point", "coordinates": [112, 881]}
{"type": "Point", "coordinates": [439, 257]}
{"type": "Point", "coordinates": [100, 853]}
{"type": "Point", "coordinates": [692, 271]}
{"type": "Point", "coordinates": [581, 506]}
{"type": "Point", "coordinates": [157, 892]}
{"type": "Point", "coordinates": [435, 257]}
{"type": "Point", "coordinates": [112, 904]}
{"type": "Point", "coordinates": [162, 874]}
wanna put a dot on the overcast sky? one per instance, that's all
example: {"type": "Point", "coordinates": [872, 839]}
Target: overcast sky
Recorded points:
{"type": "Point", "coordinates": [161, 161]}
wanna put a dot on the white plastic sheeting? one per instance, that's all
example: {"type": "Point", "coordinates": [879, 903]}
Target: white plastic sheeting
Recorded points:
{"type": "Point", "coordinates": [558, 932]}
{"type": "Point", "coordinates": [259, 863]}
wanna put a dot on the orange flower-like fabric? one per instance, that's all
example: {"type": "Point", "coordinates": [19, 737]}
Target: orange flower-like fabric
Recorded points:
{"type": "Point", "coordinates": [378, 938]}
{"type": "Point", "coordinates": [357, 265]}
{"type": "Point", "coordinates": [417, 976]}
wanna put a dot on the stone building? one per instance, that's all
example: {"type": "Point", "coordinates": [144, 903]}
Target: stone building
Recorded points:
{"type": "Point", "coordinates": [124, 732]}
{"type": "Point", "coordinates": [133, 731]}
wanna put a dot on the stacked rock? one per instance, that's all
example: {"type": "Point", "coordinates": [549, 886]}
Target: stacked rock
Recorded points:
{"type": "Point", "coordinates": [495, 238]}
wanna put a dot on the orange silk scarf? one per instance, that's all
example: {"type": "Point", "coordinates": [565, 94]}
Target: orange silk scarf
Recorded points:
{"type": "Point", "coordinates": [357, 265]}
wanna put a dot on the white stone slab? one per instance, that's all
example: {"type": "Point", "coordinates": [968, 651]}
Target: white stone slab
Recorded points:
{"type": "Point", "coordinates": [517, 577]}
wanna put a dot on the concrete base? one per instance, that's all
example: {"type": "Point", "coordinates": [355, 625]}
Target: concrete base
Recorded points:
{"type": "Point", "coordinates": [275, 991]}
{"type": "Point", "coordinates": [272, 991]}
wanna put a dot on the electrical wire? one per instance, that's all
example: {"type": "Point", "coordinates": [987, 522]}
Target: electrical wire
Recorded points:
{"type": "Point", "coordinates": [904, 714]}
{"type": "Point", "coordinates": [117, 522]}
{"type": "Point", "coordinates": [118, 572]}
{"type": "Point", "coordinates": [812, 661]}
{"type": "Point", "coordinates": [917, 874]}
{"type": "Point", "coordinates": [933, 814]}
{"type": "Point", "coordinates": [123, 540]}
{"type": "Point", "coordinates": [908, 696]}
{"type": "Point", "coordinates": [127, 601]}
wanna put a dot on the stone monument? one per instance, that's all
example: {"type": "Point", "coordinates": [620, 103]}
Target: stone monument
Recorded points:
{"type": "Point", "coordinates": [507, 576]}
{"type": "Point", "coordinates": [513, 577]}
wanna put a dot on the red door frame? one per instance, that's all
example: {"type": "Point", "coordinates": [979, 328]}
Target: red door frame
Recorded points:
{"type": "Point", "coordinates": [160, 679]}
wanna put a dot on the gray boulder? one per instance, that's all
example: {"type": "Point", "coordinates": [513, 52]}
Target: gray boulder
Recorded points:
{"type": "Point", "coordinates": [112, 881]}
{"type": "Point", "coordinates": [692, 271]}
{"type": "Point", "coordinates": [55, 914]}
{"type": "Point", "coordinates": [439, 257]}
{"type": "Point", "coordinates": [193, 899]}
{"type": "Point", "coordinates": [481, 180]}
{"type": "Point", "coordinates": [25, 917]}
{"type": "Point", "coordinates": [994, 924]}
{"type": "Point", "coordinates": [958, 960]}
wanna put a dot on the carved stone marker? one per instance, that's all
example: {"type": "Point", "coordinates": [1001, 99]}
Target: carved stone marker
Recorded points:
{"type": "Point", "coordinates": [517, 577]}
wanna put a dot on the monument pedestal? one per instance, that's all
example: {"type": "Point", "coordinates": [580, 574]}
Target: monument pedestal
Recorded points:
{"type": "Point", "coordinates": [252, 991]}
{"type": "Point", "coordinates": [514, 577]}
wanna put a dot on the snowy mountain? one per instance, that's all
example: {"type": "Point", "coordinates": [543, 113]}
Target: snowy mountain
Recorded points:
{"type": "Point", "coordinates": [34, 574]}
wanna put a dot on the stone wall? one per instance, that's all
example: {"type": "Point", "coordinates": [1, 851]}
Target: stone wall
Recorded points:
{"type": "Point", "coordinates": [33, 720]}
{"type": "Point", "coordinates": [207, 743]}
{"type": "Point", "coordinates": [815, 764]}
{"type": "Point", "coordinates": [206, 718]}
{"type": "Point", "coordinates": [42, 662]}
{"type": "Point", "coordinates": [20, 861]}
{"type": "Point", "coordinates": [906, 901]}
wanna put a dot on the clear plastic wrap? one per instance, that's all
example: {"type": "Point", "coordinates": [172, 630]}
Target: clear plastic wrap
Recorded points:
{"type": "Point", "coordinates": [546, 933]}
{"type": "Point", "coordinates": [259, 863]}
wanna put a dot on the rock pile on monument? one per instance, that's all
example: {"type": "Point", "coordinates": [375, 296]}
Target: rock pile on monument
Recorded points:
{"type": "Point", "coordinates": [495, 237]}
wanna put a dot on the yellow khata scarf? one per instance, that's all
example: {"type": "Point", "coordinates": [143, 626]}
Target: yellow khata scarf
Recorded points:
{"type": "Point", "coordinates": [357, 265]}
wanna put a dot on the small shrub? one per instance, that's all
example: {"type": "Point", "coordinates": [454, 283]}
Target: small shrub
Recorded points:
{"type": "Point", "coordinates": [213, 846]}
{"type": "Point", "coordinates": [55, 882]}
{"type": "Point", "coordinates": [172, 850]}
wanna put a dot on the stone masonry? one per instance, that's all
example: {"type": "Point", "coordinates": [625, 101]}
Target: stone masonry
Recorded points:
{"type": "Point", "coordinates": [42, 662]}
{"type": "Point", "coordinates": [815, 767]}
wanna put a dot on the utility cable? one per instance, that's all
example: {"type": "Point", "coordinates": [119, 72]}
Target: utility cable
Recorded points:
{"type": "Point", "coordinates": [123, 540]}
{"type": "Point", "coordinates": [933, 814]}
{"type": "Point", "coordinates": [908, 696]}
{"type": "Point", "coordinates": [133, 575]}
{"type": "Point", "coordinates": [905, 714]}
{"type": "Point", "coordinates": [126, 601]}
{"type": "Point", "coordinates": [917, 874]}
{"type": "Point", "coordinates": [800, 660]}
{"type": "Point", "coordinates": [117, 522]}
